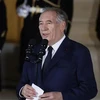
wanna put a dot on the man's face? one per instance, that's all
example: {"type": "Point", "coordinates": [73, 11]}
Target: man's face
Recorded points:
{"type": "Point", "coordinates": [49, 28]}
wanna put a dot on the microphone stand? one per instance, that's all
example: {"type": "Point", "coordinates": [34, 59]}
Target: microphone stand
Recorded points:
{"type": "Point", "coordinates": [38, 61]}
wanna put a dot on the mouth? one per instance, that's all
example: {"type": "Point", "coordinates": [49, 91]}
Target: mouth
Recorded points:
{"type": "Point", "coordinates": [45, 35]}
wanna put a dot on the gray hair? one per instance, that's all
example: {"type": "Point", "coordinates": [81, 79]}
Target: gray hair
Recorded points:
{"type": "Point", "coordinates": [61, 15]}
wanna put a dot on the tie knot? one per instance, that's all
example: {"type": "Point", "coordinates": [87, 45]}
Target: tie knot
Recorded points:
{"type": "Point", "coordinates": [50, 49]}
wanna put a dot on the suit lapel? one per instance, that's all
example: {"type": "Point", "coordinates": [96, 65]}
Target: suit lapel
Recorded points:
{"type": "Point", "coordinates": [63, 50]}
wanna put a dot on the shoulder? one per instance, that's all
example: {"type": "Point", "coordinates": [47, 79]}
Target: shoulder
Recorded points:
{"type": "Point", "coordinates": [78, 47]}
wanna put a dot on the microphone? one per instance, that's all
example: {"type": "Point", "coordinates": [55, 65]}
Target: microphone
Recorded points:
{"type": "Point", "coordinates": [29, 50]}
{"type": "Point", "coordinates": [41, 52]}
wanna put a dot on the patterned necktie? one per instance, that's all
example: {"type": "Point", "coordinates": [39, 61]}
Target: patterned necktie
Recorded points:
{"type": "Point", "coordinates": [48, 58]}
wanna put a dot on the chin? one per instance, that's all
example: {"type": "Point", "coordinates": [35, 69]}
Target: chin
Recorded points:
{"type": "Point", "coordinates": [45, 38]}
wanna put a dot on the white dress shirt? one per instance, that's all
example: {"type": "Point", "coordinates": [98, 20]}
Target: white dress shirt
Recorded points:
{"type": "Point", "coordinates": [55, 48]}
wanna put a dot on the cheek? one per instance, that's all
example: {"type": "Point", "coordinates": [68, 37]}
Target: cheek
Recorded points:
{"type": "Point", "coordinates": [52, 34]}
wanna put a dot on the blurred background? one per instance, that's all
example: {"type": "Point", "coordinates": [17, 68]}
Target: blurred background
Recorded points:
{"type": "Point", "coordinates": [86, 19]}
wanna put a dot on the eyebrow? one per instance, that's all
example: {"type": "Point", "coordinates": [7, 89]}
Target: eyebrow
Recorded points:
{"type": "Point", "coordinates": [46, 21]}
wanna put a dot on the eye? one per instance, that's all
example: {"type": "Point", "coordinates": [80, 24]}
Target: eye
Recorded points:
{"type": "Point", "coordinates": [40, 23]}
{"type": "Point", "coordinates": [49, 22]}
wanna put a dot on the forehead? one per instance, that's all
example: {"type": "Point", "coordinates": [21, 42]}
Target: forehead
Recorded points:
{"type": "Point", "coordinates": [48, 15]}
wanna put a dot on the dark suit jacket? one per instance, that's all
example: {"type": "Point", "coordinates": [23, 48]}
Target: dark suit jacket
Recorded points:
{"type": "Point", "coordinates": [70, 72]}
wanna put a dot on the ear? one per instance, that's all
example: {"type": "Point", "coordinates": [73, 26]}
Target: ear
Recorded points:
{"type": "Point", "coordinates": [63, 26]}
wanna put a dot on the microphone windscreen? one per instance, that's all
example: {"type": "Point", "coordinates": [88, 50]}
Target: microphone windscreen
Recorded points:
{"type": "Point", "coordinates": [44, 43]}
{"type": "Point", "coordinates": [32, 42]}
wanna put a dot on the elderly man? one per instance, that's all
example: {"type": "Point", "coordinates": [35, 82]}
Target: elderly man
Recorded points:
{"type": "Point", "coordinates": [65, 71]}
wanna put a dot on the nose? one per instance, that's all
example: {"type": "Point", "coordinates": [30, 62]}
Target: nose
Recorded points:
{"type": "Point", "coordinates": [44, 27]}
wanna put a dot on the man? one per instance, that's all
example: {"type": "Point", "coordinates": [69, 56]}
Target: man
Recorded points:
{"type": "Point", "coordinates": [30, 10]}
{"type": "Point", "coordinates": [3, 30]}
{"type": "Point", "coordinates": [69, 74]}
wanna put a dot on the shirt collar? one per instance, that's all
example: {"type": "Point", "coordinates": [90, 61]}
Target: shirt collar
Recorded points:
{"type": "Point", "coordinates": [57, 44]}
